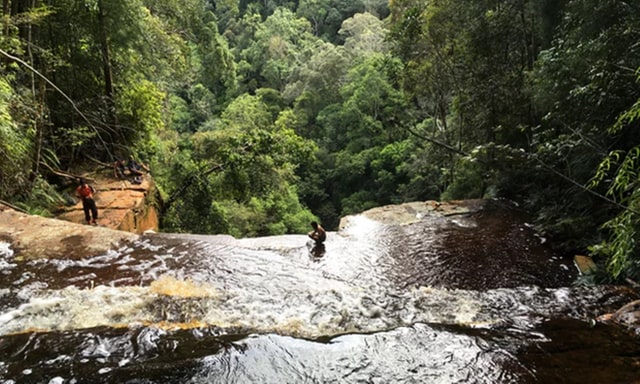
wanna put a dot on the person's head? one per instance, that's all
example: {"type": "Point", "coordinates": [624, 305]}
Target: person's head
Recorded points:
{"type": "Point", "coordinates": [314, 225]}
{"type": "Point", "coordinates": [81, 181]}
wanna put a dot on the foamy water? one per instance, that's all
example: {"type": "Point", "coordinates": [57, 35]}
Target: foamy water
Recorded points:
{"type": "Point", "coordinates": [269, 285]}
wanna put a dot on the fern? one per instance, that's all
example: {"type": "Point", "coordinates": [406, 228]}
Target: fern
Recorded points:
{"type": "Point", "coordinates": [621, 170]}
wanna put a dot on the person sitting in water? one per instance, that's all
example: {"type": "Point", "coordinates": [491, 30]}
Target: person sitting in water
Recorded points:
{"type": "Point", "coordinates": [319, 235]}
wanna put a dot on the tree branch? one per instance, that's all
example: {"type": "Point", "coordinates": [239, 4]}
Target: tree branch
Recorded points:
{"type": "Point", "coordinates": [187, 183]}
{"type": "Point", "coordinates": [437, 142]}
{"type": "Point", "coordinates": [586, 189]}
{"type": "Point", "coordinates": [65, 174]}
{"type": "Point", "coordinates": [535, 158]}
{"type": "Point", "coordinates": [43, 77]}
{"type": "Point", "coordinates": [13, 207]}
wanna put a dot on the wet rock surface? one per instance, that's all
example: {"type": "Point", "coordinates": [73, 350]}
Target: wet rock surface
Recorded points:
{"type": "Point", "coordinates": [421, 292]}
{"type": "Point", "coordinates": [35, 237]}
{"type": "Point", "coordinates": [413, 212]}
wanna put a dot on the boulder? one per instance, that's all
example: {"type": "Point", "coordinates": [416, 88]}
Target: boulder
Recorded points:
{"type": "Point", "coordinates": [584, 264]}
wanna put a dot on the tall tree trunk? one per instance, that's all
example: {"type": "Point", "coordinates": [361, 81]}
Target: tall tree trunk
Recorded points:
{"type": "Point", "coordinates": [32, 4]}
{"type": "Point", "coordinates": [106, 66]}
{"type": "Point", "coordinates": [40, 106]}
{"type": "Point", "coordinates": [6, 8]}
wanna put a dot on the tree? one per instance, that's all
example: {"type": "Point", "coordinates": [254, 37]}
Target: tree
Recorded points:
{"type": "Point", "coordinates": [243, 169]}
{"type": "Point", "coordinates": [582, 85]}
{"type": "Point", "coordinates": [15, 146]}
{"type": "Point", "coordinates": [316, 84]}
{"type": "Point", "coordinates": [278, 46]}
{"type": "Point", "coordinates": [620, 170]}
{"type": "Point", "coordinates": [316, 12]}
{"type": "Point", "coordinates": [327, 16]}
{"type": "Point", "coordinates": [364, 34]}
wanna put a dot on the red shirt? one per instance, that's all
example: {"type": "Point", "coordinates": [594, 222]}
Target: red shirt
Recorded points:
{"type": "Point", "coordinates": [85, 191]}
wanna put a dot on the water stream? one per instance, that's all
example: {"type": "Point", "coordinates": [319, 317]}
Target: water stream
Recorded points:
{"type": "Point", "coordinates": [476, 298]}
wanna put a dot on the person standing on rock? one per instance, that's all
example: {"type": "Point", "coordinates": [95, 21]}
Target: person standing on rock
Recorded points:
{"type": "Point", "coordinates": [85, 192]}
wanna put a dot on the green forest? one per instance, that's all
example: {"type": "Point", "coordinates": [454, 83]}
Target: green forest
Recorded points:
{"type": "Point", "coordinates": [257, 117]}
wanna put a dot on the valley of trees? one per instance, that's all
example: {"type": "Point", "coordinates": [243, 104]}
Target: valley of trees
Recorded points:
{"type": "Point", "coordinates": [257, 117]}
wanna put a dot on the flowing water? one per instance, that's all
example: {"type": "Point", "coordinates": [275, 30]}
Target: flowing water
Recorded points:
{"type": "Point", "coordinates": [476, 298]}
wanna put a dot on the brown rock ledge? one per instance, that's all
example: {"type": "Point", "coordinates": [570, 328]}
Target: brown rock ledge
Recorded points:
{"type": "Point", "coordinates": [34, 237]}
{"type": "Point", "coordinates": [121, 205]}
{"type": "Point", "coordinates": [407, 213]}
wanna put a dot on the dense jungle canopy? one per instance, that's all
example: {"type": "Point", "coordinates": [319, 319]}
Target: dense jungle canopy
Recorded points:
{"type": "Point", "coordinates": [259, 116]}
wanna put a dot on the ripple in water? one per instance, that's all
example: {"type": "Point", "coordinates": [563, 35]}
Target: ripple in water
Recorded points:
{"type": "Point", "coordinates": [441, 299]}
